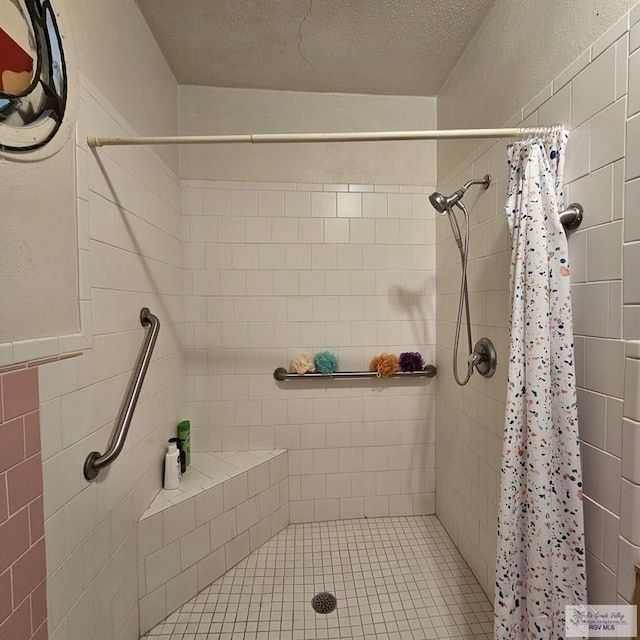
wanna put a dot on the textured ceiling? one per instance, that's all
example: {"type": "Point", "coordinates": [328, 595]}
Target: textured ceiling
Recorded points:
{"type": "Point", "coordinates": [402, 47]}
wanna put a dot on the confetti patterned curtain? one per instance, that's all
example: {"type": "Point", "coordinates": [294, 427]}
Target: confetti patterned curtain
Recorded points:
{"type": "Point", "coordinates": [540, 563]}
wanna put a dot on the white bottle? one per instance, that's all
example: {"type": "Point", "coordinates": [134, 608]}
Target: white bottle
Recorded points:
{"type": "Point", "coordinates": [172, 473]}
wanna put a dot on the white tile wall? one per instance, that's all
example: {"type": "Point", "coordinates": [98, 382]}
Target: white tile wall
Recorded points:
{"type": "Point", "coordinates": [590, 97]}
{"type": "Point", "coordinates": [274, 269]}
{"type": "Point", "coordinates": [188, 545]}
{"type": "Point", "coordinates": [134, 240]}
{"type": "Point", "coordinates": [303, 268]}
{"type": "Point", "coordinates": [469, 420]}
{"type": "Point", "coordinates": [585, 102]}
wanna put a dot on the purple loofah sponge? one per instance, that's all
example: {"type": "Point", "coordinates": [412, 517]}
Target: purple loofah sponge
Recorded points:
{"type": "Point", "coordinates": [411, 361]}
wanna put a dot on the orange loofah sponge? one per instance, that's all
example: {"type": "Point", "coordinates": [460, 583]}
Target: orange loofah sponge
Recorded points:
{"type": "Point", "coordinates": [386, 364]}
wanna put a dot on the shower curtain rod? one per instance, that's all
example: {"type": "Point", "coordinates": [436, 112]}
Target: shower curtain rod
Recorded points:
{"type": "Point", "coordinates": [357, 136]}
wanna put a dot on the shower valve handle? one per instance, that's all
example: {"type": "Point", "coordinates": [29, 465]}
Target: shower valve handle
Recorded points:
{"type": "Point", "coordinates": [472, 361]}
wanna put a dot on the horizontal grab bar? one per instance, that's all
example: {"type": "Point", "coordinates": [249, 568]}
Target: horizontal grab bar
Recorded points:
{"type": "Point", "coordinates": [571, 218]}
{"type": "Point", "coordinates": [282, 374]}
{"type": "Point", "coordinates": [95, 461]}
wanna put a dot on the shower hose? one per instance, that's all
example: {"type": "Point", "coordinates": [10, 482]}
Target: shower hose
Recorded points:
{"type": "Point", "coordinates": [463, 248]}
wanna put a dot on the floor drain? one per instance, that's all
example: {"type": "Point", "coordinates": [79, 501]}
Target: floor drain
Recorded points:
{"type": "Point", "coordinates": [324, 602]}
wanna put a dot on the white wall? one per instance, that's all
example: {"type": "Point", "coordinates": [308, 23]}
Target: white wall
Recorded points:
{"type": "Point", "coordinates": [38, 250]}
{"type": "Point", "coordinates": [121, 209]}
{"type": "Point", "coordinates": [205, 110]}
{"type": "Point", "coordinates": [596, 97]}
{"type": "Point", "coordinates": [131, 256]}
{"type": "Point", "coordinates": [111, 44]}
{"type": "Point", "coordinates": [118, 53]}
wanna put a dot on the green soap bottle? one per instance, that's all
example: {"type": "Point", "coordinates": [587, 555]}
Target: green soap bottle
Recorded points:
{"type": "Point", "coordinates": [184, 433]}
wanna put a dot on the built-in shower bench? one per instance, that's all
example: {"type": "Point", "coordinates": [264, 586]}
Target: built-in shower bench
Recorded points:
{"type": "Point", "coordinates": [229, 503]}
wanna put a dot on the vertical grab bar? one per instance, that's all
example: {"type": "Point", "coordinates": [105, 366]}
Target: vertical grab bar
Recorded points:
{"type": "Point", "coordinates": [95, 461]}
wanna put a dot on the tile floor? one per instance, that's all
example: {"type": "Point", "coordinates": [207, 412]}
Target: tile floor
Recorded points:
{"type": "Point", "coordinates": [397, 578]}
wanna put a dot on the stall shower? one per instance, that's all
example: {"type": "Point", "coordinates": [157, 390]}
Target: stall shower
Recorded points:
{"type": "Point", "coordinates": [381, 491]}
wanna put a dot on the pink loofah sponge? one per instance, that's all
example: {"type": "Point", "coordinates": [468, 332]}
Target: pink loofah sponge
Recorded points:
{"type": "Point", "coordinates": [302, 364]}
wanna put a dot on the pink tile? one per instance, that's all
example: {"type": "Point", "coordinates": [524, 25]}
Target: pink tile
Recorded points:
{"type": "Point", "coordinates": [20, 392]}
{"type": "Point", "coordinates": [32, 433]}
{"type": "Point", "coordinates": [14, 538]}
{"type": "Point", "coordinates": [4, 507]}
{"type": "Point", "coordinates": [37, 363]}
{"type": "Point", "coordinates": [28, 572]}
{"type": "Point", "coordinates": [66, 356]}
{"type": "Point", "coordinates": [36, 519]}
{"type": "Point", "coordinates": [12, 367]}
{"type": "Point", "coordinates": [41, 633]}
{"type": "Point", "coordinates": [11, 443]}
{"type": "Point", "coordinates": [39, 605]}
{"type": "Point", "coordinates": [24, 482]}
{"type": "Point", "coordinates": [5, 595]}
{"type": "Point", "coordinates": [18, 625]}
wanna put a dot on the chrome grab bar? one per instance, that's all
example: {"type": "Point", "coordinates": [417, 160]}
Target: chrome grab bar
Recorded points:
{"type": "Point", "coordinates": [95, 462]}
{"type": "Point", "coordinates": [571, 218]}
{"type": "Point", "coordinates": [281, 374]}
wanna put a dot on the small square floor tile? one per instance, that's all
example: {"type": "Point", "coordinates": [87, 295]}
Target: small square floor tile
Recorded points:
{"type": "Point", "coordinates": [398, 577]}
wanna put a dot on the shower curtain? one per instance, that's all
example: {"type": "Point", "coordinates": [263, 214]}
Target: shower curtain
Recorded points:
{"type": "Point", "coordinates": [540, 563]}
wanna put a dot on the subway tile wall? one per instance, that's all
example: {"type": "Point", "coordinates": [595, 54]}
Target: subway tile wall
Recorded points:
{"type": "Point", "coordinates": [271, 270]}
{"type": "Point", "coordinates": [23, 597]}
{"type": "Point", "coordinates": [130, 256]}
{"type": "Point", "coordinates": [598, 99]}
{"type": "Point", "coordinates": [274, 270]}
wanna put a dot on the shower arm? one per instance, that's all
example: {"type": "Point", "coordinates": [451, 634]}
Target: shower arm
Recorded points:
{"type": "Point", "coordinates": [485, 182]}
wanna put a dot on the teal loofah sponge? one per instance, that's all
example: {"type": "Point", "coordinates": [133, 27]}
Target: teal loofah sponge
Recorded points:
{"type": "Point", "coordinates": [325, 362]}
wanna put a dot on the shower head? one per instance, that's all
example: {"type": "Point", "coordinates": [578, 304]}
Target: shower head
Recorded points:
{"type": "Point", "coordinates": [442, 204]}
